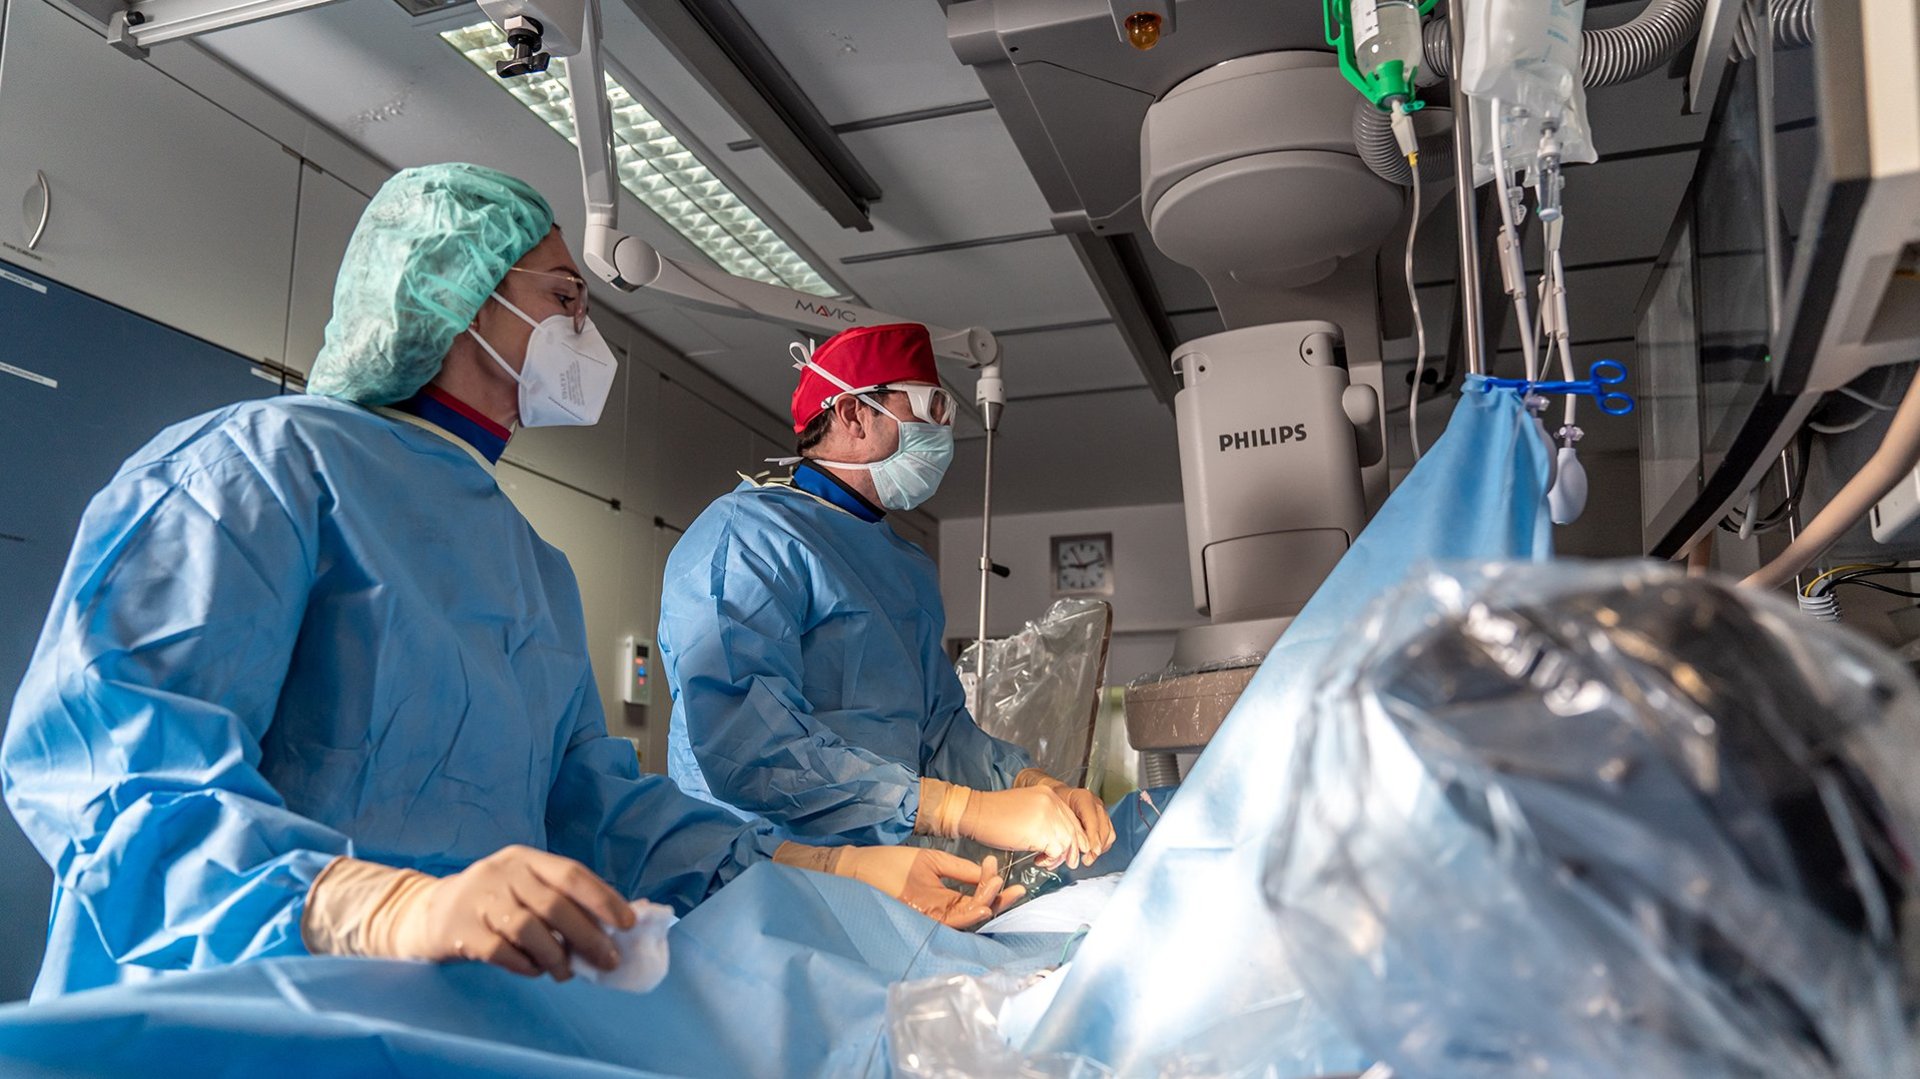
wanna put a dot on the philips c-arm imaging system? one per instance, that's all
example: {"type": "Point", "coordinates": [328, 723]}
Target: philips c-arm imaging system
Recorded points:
{"type": "Point", "coordinates": [1282, 155]}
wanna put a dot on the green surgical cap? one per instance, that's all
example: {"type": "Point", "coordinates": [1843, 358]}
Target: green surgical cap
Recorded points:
{"type": "Point", "coordinates": [432, 246]}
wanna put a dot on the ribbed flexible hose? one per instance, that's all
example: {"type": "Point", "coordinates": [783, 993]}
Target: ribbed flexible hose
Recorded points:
{"type": "Point", "coordinates": [1822, 608]}
{"type": "Point", "coordinates": [1159, 770]}
{"type": "Point", "coordinates": [1373, 138]}
{"type": "Point", "coordinates": [1792, 28]}
{"type": "Point", "coordinates": [1614, 55]}
{"type": "Point", "coordinates": [1608, 56]}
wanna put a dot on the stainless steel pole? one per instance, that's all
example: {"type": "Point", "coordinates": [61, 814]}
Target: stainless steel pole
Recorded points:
{"type": "Point", "coordinates": [1473, 325]}
{"type": "Point", "coordinates": [986, 543]}
{"type": "Point", "coordinates": [991, 395]}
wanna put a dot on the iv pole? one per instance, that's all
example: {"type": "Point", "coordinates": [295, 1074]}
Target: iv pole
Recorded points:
{"type": "Point", "coordinates": [991, 395]}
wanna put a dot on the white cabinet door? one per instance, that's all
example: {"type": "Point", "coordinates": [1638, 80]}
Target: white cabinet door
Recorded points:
{"type": "Point", "coordinates": [329, 210]}
{"type": "Point", "coordinates": [161, 201]}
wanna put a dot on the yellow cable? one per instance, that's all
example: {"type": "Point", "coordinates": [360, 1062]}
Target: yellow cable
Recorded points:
{"type": "Point", "coordinates": [1808, 591]}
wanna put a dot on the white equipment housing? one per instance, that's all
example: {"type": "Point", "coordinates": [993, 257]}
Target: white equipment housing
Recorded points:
{"type": "Point", "coordinates": [1269, 465]}
{"type": "Point", "coordinates": [1282, 448]}
{"type": "Point", "coordinates": [1896, 519]}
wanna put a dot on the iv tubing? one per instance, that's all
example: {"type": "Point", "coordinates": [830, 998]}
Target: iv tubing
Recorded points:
{"type": "Point", "coordinates": [1517, 260]}
{"type": "Point", "coordinates": [1557, 295]}
{"type": "Point", "coordinates": [1419, 323]}
{"type": "Point", "coordinates": [986, 548]}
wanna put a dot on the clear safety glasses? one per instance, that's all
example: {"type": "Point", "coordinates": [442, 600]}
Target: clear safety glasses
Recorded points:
{"type": "Point", "coordinates": [568, 290]}
{"type": "Point", "coordinates": [930, 404]}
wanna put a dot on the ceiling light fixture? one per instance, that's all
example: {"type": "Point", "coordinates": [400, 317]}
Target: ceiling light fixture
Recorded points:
{"type": "Point", "coordinates": [657, 168]}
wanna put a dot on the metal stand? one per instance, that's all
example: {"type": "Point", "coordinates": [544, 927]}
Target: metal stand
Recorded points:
{"type": "Point", "coordinates": [1473, 324]}
{"type": "Point", "coordinates": [991, 396]}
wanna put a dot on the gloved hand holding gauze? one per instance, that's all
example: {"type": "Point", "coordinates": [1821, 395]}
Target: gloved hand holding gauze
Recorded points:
{"type": "Point", "coordinates": [643, 951]}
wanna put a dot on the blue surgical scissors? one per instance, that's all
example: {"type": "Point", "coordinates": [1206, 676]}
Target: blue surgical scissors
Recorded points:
{"type": "Point", "coordinates": [1602, 374]}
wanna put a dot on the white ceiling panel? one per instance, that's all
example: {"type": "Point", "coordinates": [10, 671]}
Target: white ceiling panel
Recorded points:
{"type": "Point", "coordinates": [946, 180]}
{"type": "Point", "coordinates": [1200, 324]}
{"type": "Point", "coordinates": [743, 333]}
{"type": "Point", "coordinates": [1032, 283]}
{"type": "Point", "coordinates": [1623, 209]}
{"type": "Point", "coordinates": [1068, 361]}
{"type": "Point", "coordinates": [695, 112]}
{"type": "Point", "coordinates": [682, 334]}
{"type": "Point", "coordinates": [389, 84]}
{"type": "Point", "coordinates": [1600, 303]}
{"type": "Point", "coordinates": [766, 380]}
{"type": "Point", "coordinates": [1640, 115]}
{"type": "Point", "coordinates": [1181, 289]}
{"type": "Point", "coordinates": [1061, 453]}
{"type": "Point", "coordinates": [857, 59]}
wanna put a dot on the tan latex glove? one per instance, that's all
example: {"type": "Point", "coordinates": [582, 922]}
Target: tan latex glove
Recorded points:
{"type": "Point", "coordinates": [519, 908]}
{"type": "Point", "coordinates": [1033, 818]}
{"type": "Point", "coordinates": [916, 876]}
{"type": "Point", "coordinates": [1087, 808]}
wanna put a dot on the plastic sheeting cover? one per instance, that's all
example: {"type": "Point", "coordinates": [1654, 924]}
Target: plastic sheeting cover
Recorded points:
{"type": "Point", "coordinates": [1604, 822]}
{"type": "Point", "coordinates": [1570, 822]}
{"type": "Point", "coordinates": [1042, 685]}
{"type": "Point", "coordinates": [782, 972]}
{"type": "Point", "coordinates": [1188, 941]}
{"type": "Point", "coordinates": [949, 1028]}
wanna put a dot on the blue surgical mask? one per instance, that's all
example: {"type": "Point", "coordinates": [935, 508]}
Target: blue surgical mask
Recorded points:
{"type": "Point", "coordinates": [913, 472]}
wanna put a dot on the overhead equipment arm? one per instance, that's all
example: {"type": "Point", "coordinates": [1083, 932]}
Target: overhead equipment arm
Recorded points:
{"type": "Point", "coordinates": [571, 28]}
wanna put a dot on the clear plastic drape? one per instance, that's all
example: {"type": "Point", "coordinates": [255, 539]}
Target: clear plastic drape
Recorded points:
{"type": "Point", "coordinates": [1041, 687]}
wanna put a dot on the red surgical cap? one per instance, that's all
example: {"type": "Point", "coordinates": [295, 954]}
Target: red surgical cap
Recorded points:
{"type": "Point", "coordinates": [863, 357]}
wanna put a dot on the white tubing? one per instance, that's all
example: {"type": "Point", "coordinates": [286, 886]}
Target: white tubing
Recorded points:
{"type": "Point", "coordinates": [1515, 261]}
{"type": "Point", "coordinates": [1899, 452]}
{"type": "Point", "coordinates": [1419, 323]}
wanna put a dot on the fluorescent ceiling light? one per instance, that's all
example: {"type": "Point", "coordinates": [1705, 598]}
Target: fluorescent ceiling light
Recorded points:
{"type": "Point", "coordinates": [657, 168]}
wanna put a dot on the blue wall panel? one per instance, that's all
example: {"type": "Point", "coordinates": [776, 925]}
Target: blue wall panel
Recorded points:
{"type": "Point", "coordinates": [121, 378]}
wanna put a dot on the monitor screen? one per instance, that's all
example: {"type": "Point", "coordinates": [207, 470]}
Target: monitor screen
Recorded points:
{"type": "Point", "coordinates": [1705, 326]}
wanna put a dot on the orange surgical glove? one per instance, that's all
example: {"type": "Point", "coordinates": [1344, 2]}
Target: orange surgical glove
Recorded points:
{"type": "Point", "coordinates": [519, 908]}
{"type": "Point", "coordinates": [1035, 818]}
{"type": "Point", "coordinates": [917, 876]}
{"type": "Point", "coordinates": [1087, 808]}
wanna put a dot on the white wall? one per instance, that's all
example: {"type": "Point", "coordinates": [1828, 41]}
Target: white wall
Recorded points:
{"type": "Point", "coordinates": [1152, 599]}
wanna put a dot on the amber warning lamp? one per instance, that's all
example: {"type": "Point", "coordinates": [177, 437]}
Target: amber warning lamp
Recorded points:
{"type": "Point", "coordinates": [1142, 23]}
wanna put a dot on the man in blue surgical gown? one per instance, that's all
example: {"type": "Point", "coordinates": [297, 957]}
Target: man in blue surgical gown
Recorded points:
{"type": "Point", "coordinates": [801, 635]}
{"type": "Point", "coordinates": [310, 683]}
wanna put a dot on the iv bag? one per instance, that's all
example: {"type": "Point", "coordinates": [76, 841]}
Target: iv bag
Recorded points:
{"type": "Point", "coordinates": [1525, 55]}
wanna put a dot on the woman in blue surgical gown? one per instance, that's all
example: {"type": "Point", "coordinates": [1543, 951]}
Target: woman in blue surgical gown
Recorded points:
{"type": "Point", "coordinates": [310, 683]}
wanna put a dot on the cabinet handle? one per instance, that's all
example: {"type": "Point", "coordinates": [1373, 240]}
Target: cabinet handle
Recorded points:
{"type": "Point", "coordinates": [46, 209]}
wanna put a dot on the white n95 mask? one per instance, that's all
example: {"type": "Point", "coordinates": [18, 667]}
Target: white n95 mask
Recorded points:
{"type": "Point", "coordinates": [913, 472]}
{"type": "Point", "coordinates": [567, 375]}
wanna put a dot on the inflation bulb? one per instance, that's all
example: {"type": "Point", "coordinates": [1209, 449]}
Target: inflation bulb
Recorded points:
{"type": "Point", "coordinates": [1567, 498]}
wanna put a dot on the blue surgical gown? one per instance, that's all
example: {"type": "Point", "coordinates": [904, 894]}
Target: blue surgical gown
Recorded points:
{"type": "Point", "coordinates": [294, 629]}
{"type": "Point", "coordinates": [802, 645]}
